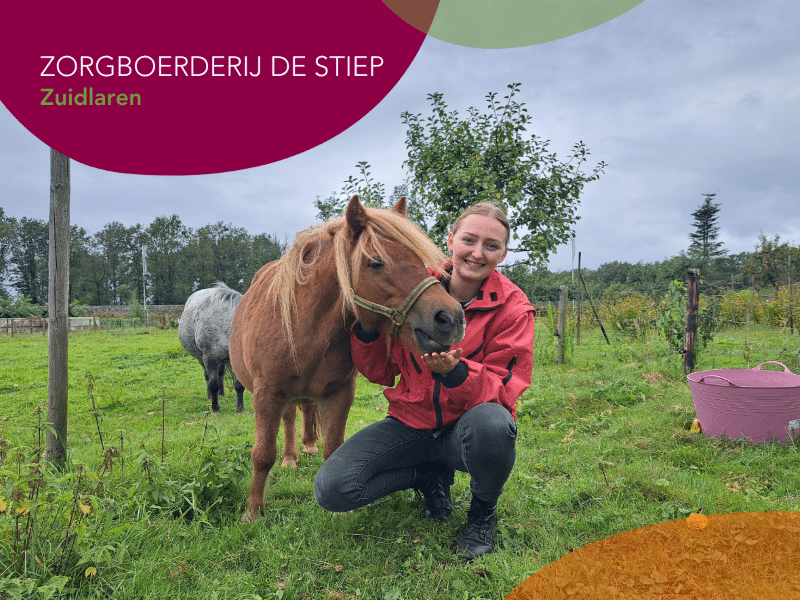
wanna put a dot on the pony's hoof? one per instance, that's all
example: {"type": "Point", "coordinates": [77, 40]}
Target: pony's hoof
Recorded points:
{"type": "Point", "coordinates": [247, 517]}
{"type": "Point", "coordinates": [289, 462]}
{"type": "Point", "coordinates": [311, 449]}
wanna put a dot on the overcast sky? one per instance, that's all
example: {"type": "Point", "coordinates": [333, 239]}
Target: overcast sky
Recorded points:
{"type": "Point", "coordinates": [679, 97]}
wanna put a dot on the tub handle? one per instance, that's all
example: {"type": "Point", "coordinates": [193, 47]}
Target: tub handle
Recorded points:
{"type": "Point", "coordinates": [730, 383]}
{"type": "Point", "coordinates": [772, 362]}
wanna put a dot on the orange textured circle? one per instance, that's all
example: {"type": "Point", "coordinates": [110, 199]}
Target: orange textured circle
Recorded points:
{"type": "Point", "coordinates": [738, 556]}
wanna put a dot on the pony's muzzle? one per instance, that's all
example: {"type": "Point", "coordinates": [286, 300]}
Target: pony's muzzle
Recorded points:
{"type": "Point", "coordinates": [450, 323]}
{"type": "Point", "coordinates": [445, 328]}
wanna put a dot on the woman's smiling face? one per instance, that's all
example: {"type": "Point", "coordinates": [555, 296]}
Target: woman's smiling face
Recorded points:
{"type": "Point", "coordinates": [478, 246]}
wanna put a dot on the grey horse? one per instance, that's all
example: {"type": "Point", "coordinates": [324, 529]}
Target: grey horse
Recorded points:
{"type": "Point", "coordinates": [204, 332]}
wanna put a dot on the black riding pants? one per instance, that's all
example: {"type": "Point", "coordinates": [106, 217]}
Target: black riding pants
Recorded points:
{"type": "Point", "coordinates": [381, 458]}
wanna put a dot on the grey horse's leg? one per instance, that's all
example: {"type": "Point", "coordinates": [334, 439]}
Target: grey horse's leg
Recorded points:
{"type": "Point", "coordinates": [208, 381]}
{"type": "Point", "coordinates": [212, 376]}
{"type": "Point", "coordinates": [221, 373]}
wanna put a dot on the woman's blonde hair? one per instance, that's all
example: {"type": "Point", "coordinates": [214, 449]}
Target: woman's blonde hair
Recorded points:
{"type": "Point", "coordinates": [486, 209]}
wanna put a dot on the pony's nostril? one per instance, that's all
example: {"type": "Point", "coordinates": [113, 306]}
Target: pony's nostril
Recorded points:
{"type": "Point", "coordinates": [444, 320]}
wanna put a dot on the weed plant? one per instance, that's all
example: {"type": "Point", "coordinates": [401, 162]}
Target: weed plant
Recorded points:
{"type": "Point", "coordinates": [152, 511]}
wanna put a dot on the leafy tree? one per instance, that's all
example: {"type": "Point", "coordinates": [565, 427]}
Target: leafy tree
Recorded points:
{"type": "Point", "coordinates": [704, 237]}
{"type": "Point", "coordinates": [454, 162]}
{"type": "Point", "coordinates": [768, 265]}
{"type": "Point", "coordinates": [215, 254]}
{"type": "Point", "coordinates": [167, 238]}
{"type": "Point", "coordinates": [20, 307]}
{"type": "Point", "coordinates": [121, 251]}
{"type": "Point", "coordinates": [537, 282]}
{"type": "Point", "coordinates": [370, 191]}
{"type": "Point", "coordinates": [263, 249]}
{"type": "Point", "coordinates": [29, 258]}
{"type": "Point", "coordinates": [88, 277]}
{"type": "Point", "coordinates": [7, 237]}
{"type": "Point", "coordinates": [726, 270]}
{"type": "Point", "coordinates": [613, 272]}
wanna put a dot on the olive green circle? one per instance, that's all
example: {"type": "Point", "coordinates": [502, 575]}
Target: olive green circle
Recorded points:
{"type": "Point", "coordinates": [514, 23]}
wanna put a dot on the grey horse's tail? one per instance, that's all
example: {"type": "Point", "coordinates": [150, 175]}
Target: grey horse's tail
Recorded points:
{"type": "Point", "coordinates": [222, 294]}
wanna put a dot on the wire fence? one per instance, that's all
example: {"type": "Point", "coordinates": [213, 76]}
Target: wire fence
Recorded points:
{"type": "Point", "coordinates": [737, 328]}
{"type": "Point", "coordinates": [38, 325]}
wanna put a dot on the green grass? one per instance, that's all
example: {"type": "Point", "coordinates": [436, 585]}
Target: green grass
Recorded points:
{"type": "Point", "coordinates": [604, 446]}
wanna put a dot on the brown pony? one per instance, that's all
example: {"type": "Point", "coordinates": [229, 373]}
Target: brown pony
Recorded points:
{"type": "Point", "coordinates": [290, 339]}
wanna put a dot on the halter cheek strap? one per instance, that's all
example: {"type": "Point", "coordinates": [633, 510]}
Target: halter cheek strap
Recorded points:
{"type": "Point", "coordinates": [397, 315]}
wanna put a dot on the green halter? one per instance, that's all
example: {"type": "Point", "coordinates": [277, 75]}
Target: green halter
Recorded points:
{"type": "Point", "coordinates": [397, 315]}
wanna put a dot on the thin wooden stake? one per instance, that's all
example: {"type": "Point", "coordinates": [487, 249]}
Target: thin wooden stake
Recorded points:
{"type": "Point", "coordinates": [163, 420]}
{"type": "Point", "coordinates": [89, 388]}
{"type": "Point", "coordinates": [580, 302]}
{"type": "Point", "coordinates": [791, 297]}
{"type": "Point", "coordinates": [594, 310]}
{"type": "Point", "coordinates": [562, 313]}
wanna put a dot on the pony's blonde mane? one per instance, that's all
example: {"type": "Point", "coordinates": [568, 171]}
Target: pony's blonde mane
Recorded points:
{"type": "Point", "coordinates": [294, 269]}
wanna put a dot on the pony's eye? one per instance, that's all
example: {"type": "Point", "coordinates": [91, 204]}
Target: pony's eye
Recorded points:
{"type": "Point", "coordinates": [376, 264]}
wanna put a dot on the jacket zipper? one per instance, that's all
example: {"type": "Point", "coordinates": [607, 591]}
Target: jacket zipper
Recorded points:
{"type": "Point", "coordinates": [437, 385]}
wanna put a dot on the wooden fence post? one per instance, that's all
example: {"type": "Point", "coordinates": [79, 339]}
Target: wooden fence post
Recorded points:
{"type": "Point", "coordinates": [562, 318]}
{"type": "Point", "coordinates": [57, 311]}
{"type": "Point", "coordinates": [692, 304]}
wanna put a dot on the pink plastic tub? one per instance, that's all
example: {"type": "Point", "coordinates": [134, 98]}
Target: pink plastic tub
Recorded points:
{"type": "Point", "coordinates": [754, 404]}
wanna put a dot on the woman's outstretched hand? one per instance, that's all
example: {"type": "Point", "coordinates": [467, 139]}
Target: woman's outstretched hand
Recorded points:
{"type": "Point", "coordinates": [442, 362]}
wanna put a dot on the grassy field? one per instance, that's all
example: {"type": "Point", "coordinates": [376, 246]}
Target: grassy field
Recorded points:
{"type": "Point", "coordinates": [152, 510]}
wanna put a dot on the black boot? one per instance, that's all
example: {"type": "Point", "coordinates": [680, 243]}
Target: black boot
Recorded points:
{"type": "Point", "coordinates": [481, 526]}
{"type": "Point", "coordinates": [433, 481]}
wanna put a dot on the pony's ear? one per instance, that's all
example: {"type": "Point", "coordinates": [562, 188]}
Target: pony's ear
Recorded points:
{"type": "Point", "coordinates": [356, 217]}
{"type": "Point", "coordinates": [400, 206]}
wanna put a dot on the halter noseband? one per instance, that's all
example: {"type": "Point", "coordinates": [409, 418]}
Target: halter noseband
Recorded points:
{"type": "Point", "coordinates": [397, 313]}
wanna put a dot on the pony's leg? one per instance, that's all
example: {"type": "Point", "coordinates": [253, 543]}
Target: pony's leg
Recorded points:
{"type": "Point", "coordinates": [213, 382]}
{"type": "Point", "coordinates": [221, 374]}
{"type": "Point", "coordinates": [239, 393]}
{"type": "Point", "coordinates": [205, 374]}
{"type": "Point", "coordinates": [310, 427]}
{"type": "Point", "coordinates": [333, 412]}
{"type": "Point", "coordinates": [265, 449]}
{"type": "Point", "coordinates": [289, 456]}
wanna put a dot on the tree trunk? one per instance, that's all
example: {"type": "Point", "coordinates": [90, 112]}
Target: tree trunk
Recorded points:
{"type": "Point", "coordinates": [58, 306]}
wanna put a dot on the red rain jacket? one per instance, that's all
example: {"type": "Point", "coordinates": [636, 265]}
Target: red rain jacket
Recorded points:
{"type": "Point", "coordinates": [496, 364]}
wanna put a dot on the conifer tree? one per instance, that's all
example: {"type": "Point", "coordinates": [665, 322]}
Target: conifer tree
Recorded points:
{"type": "Point", "coordinates": [704, 237]}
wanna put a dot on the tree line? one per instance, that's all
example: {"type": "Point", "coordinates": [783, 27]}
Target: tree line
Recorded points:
{"type": "Point", "coordinates": [769, 267]}
{"type": "Point", "coordinates": [106, 268]}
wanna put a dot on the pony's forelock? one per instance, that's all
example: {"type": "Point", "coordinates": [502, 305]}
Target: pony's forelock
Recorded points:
{"type": "Point", "coordinates": [383, 226]}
